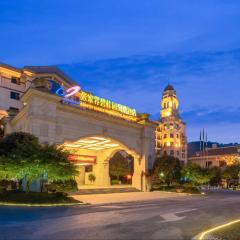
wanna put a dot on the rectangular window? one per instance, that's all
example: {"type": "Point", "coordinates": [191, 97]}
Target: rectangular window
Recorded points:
{"type": "Point", "coordinates": [172, 144]}
{"type": "Point", "coordinates": [165, 135]}
{"type": "Point", "coordinates": [171, 135]}
{"type": "Point", "coordinates": [15, 80]}
{"type": "Point", "coordinates": [14, 95]}
{"type": "Point", "coordinates": [172, 152]}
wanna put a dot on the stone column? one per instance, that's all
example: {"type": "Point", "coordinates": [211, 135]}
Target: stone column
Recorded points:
{"type": "Point", "coordinates": [80, 179]}
{"type": "Point", "coordinates": [102, 169]}
{"type": "Point", "coordinates": [138, 180]}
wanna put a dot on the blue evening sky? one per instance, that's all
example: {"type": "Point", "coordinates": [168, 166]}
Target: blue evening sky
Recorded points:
{"type": "Point", "coordinates": [128, 50]}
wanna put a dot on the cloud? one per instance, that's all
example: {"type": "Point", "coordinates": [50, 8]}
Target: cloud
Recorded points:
{"type": "Point", "coordinates": [207, 83]}
{"type": "Point", "coordinates": [209, 116]}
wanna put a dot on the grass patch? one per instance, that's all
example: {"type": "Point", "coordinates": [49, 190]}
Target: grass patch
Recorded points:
{"type": "Point", "coordinates": [231, 232]}
{"type": "Point", "coordinates": [36, 198]}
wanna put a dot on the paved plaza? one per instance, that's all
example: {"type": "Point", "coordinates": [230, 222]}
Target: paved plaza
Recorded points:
{"type": "Point", "coordinates": [166, 217]}
{"type": "Point", "coordinates": [126, 197]}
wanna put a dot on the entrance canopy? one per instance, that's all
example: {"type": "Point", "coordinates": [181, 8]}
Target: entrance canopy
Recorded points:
{"type": "Point", "coordinates": [92, 143]}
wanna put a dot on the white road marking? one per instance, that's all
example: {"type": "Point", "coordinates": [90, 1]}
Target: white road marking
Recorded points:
{"type": "Point", "coordinates": [111, 206]}
{"type": "Point", "coordinates": [172, 217]}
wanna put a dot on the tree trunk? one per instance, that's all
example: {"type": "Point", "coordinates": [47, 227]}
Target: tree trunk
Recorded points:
{"type": "Point", "coordinates": [28, 182]}
{"type": "Point", "coordinates": [41, 186]}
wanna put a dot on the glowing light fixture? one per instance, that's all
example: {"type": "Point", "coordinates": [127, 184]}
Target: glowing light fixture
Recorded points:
{"type": "Point", "coordinates": [92, 143]}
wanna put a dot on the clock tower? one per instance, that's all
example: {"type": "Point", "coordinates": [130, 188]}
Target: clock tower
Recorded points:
{"type": "Point", "coordinates": [170, 134]}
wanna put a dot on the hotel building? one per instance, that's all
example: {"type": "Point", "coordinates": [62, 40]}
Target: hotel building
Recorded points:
{"type": "Point", "coordinates": [45, 102]}
{"type": "Point", "coordinates": [216, 156]}
{"type": "Point", "coordinates": [170, 134]}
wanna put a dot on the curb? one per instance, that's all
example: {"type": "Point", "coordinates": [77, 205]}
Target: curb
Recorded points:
{"type": "Point", "coordinates": [206, 234]}
{"type": "Point", "coordinates": [42, 205]}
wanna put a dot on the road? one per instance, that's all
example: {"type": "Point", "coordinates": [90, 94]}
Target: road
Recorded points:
{"type": "Point", "coordinates": [168, 218]}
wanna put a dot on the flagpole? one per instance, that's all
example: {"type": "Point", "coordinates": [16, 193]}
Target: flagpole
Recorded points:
{"type": "Point", "coordinates": [200, 142]}
{"type": "Point", "coordinates": [203, 139]}
{"type": "Point", "coordinates": [206, 147]}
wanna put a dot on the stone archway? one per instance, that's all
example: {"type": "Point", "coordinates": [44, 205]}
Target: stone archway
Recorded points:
{"type": "Point", "coordinates": [92, 154]}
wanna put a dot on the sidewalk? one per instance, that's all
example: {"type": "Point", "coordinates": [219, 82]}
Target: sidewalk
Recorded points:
{"type": "Point", "coordinates": [126, 197]}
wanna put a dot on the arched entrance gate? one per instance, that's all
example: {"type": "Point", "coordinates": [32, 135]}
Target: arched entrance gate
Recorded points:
{"type": "Point", "coordinates": [88, 133]}
{"type": "Point", "coordinates": [92, 154]}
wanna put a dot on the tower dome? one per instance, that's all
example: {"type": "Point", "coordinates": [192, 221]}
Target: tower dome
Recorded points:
{"type": "Point", "coordinates": [169, 88]}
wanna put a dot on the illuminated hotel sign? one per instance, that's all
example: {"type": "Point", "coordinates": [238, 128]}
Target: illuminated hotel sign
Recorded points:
{"type": "Point", "coordinates": [90, 101]}
{"type": "Point", "coordinates": [67, 94]}
{"type": "Point", "coordinates": [82, 159]}
{"type": "Point", "coordinates": [75, 96]}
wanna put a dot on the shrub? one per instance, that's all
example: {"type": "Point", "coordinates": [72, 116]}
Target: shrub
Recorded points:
{"type": "Point", "coordinates": [91, 177]}
{"type": "Point", "coordinates": [115, 182]}
{"type": "Point", "coordinates": [62, 186]}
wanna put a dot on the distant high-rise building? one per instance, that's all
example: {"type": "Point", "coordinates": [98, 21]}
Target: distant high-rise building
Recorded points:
{"type": "Point", "coordinates": [170, 134]}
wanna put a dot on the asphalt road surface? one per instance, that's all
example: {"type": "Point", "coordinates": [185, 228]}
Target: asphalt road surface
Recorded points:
{"type": "Point", "coordinates": [171, 218]}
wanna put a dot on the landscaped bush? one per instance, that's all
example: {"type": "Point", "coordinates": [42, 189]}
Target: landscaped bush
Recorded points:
{"type": "Point", "coordinates": [62, 186]}
{"type": "Point", "coordinates": [35, 198]}
{"type": "Point", "coordinates": [179, 188]}
{"type": "Point", "coordinates": [91, 178]}
{"type": "Point", "coordinates": [115, 182]}
{"type": "Point", "coordinates": [164, 188]}
{"type": "Point", "coordinates": [193, 190]}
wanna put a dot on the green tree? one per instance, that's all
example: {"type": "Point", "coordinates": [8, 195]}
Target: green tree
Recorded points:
{"type": "Point", "coordinates": [119, 166]}
{"type": "Point", "coordinates": [196, 174]}
{"type": "Point", "coordinates": [217, 176]}
{"type": "Point", "coordinates": [166, 170]}
{"type": "Point", "coordinates": [23, 157]}
{"type": "Point", "coordinates": [231, 172]}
